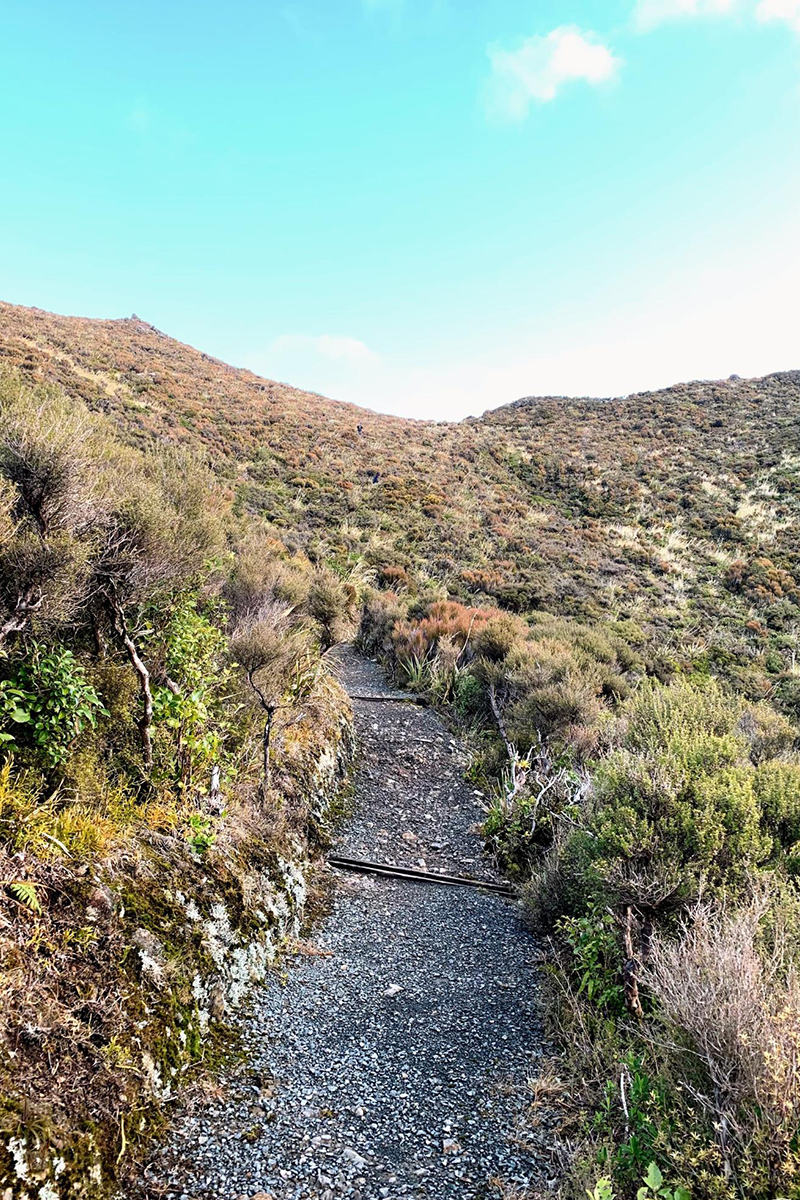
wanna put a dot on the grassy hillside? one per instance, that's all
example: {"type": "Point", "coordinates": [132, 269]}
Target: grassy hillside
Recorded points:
{"type": "Point", "coordinates": [169, 745]}
{"type": "Point", "coordinates": [676, 510]}
{"type": "Point", "coordinates": [605, 594]}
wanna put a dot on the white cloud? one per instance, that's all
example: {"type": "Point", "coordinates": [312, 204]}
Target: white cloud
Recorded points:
{"type": "Point", "coordinates": [327, 345]}
{"type": "Point", "coordinates": [780, 10]}
{"type": "Point", "coordinates": [650, 13]}
{"type": "Point", "coordinates": [542, 65]}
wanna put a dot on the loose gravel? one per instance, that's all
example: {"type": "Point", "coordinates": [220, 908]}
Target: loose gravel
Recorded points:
{"type": "Point", "coordinates": [391, 1058]}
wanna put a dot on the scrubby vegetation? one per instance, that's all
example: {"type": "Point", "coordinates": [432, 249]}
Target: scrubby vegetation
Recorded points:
{"type": "Point", "coordinates": [149, 851]}
{"type": "Point", "coordinates": [653, 819]}
{"type": "Point", "coordinates": [605, 595]}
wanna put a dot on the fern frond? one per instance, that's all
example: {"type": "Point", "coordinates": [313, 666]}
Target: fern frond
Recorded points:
{"type": "Point", "coordinates": [25, 892]}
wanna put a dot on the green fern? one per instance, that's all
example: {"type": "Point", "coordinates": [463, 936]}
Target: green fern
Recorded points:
{"type": "Point", "coordinates": [26, 894]}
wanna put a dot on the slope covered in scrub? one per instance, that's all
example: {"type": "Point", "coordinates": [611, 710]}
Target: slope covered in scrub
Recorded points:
{"type": "Point", "coordinates": [603, 593]}
{"type": "Point", "coordinates": [170, 745]}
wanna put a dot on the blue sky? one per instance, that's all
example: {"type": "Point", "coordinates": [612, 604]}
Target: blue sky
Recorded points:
{"type": "Point", "coordinates": [429, 207]}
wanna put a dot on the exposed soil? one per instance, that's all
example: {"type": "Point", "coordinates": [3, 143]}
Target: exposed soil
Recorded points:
{"type": "Point", "coordinates": [391, 1059]}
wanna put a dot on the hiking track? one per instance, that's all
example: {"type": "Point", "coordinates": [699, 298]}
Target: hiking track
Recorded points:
{"type": "Point", "coordinates": [392, 1059]}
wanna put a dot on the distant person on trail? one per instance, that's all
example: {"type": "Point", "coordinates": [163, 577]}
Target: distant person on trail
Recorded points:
{"type": "Point", "coordinates": [376, 477]}
{"type": "Point", "coordinates": [360, 428]}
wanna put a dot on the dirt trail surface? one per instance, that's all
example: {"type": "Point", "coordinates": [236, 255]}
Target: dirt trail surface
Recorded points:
{"type": "Point", "coordinates": [392, 1059]}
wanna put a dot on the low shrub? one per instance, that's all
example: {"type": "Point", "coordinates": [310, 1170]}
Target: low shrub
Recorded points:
{"type": "Point", "coordinates": [729, 1008]}
{"type": "Point", "coordinates": [53, 703]}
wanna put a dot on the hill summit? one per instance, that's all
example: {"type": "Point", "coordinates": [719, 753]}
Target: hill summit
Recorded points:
{"type": "Point", "coordinates": [630, 507]}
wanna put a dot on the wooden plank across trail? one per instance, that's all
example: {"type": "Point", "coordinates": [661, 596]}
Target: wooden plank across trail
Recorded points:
{"type": "Point", "coordinates": [362, 867]}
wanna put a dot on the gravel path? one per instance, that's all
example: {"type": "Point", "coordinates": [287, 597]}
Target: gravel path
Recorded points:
{"type": "Point", "coordinates": [412, 806]}
{"type": "Point", "coordinates": [391, 1060]}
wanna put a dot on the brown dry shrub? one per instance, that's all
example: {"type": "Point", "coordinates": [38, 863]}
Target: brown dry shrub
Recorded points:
{"type": "Point", "coordinates": [394, 576]}
{"type": "Point", "coordinates": [333, 603]}
{"type": "Point", "coordinates": [263, 573]}
{"type": "Point", "coordinates": [769, 732]}
{"type": "Point", "coordinates": [380, 613]}
{"type": "Point", "coordinates": [729, 1000]}
{"type": "Point", "coordinates": [444, 618]}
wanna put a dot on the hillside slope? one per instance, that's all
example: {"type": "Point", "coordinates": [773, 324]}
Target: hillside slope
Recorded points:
{"type": "Point", "coordinates": [675, 509]}
{"type": "Point", "coordinates": [603, 594]}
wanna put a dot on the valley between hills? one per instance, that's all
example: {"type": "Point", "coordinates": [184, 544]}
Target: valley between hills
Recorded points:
{"type": "Point", "coordinates": [597, 602]}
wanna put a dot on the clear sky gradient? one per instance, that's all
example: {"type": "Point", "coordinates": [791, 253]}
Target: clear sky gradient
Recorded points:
{"type": "Point", "coordinates": [429, 207]}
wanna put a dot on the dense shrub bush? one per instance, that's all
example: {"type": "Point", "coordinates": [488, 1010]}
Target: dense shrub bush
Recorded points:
{"type": "Point", "coordinates": [687, 802]}
{"type": "Point", "coordinates": [54, 702]}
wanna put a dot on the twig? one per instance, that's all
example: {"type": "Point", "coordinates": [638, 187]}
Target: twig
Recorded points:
{"type": "Point", "coordinates": [56, 842]}
{"type": "Point", "coordinates": [124, 1145]}
{"type": "Point", "coordinates": [622, 1074]}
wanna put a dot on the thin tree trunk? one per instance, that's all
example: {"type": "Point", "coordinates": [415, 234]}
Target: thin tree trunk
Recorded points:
{"type": "Point", "coordinates": [215, 792]}
{"type": "Point", "coordinates": [501, 725]}
{"type": "Point", "coordinates": [25, 605]}
{"type": "Point", "coordinates": [146, 721]}
{"type": "Point", "coordinates": [518, 777]}
{"type": "Point", "coordinates": [97, 631]}
{"type": "Point", "coordinates": [265, 782]}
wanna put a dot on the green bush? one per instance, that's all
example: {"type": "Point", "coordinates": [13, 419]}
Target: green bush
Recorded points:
{"type": "Point", "coordinates": [52, 688]}
{"type": "Point", "coordinates": [467, 694]}
{"type": "Point", "coordinates": [593, 941]}
{"type": "Point", "coordinates": [495, 639]}
{"type": "Point", "coordinates": [681, 798]}
{"type": "Point", "coordinates": [777, 789]}
{"type": "Point", "coordinates": [190, 707]}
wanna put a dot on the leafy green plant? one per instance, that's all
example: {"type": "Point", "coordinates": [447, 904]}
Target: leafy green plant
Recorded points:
{"type": "Point", "coordinates": [52, 688]}
{"type": "Point", "coordinates": [200, 835]}
{"type": "Point", "coordinates": [193, 644]}
{"type": "Point", "coordinates": [190, 703]}
{"type": "Point", "coordinates": [654, 1187]}
{"type": "Point", "coordinates": [602, 1190]}
{"type": "Point", "coordinates": [12, 700]}
{"type": "Point", "coordinates": [596, 952]}
{"type": "Point", "coordinates": [631, 1116]}
{"type": "Point", "coordinates": [467, 693]}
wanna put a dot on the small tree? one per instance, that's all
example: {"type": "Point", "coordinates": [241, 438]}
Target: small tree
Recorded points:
{"type": "Point", "coordinates": [156, 537]}
{"type": "Point", "coordinates": [333, 603]}
{"type": "Point", "coordinates": [271, 652]}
